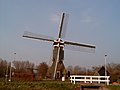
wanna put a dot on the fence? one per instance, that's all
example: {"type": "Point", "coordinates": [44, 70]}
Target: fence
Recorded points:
{"type": "Point", "coordinates": [90, 79]}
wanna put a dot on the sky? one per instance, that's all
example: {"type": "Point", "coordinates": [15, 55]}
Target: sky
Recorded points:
{"type": "Point", "coordinates": [94, 22]}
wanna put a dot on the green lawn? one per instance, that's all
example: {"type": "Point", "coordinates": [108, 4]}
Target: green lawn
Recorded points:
{"type": "Point", "coordinates": [44, 85]}
{"type": "Point", "coordinates": [114, 87]}
{"type": "Point", "coordinates": [41, 85]}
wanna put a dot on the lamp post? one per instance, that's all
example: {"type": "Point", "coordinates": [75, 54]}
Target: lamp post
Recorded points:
{"type": "Point", "coordinates": [10, 72]}
{"type": "Point", "coordinates": [6, 72]}
{"type": "Point", "coordinates": [11, 68]}
{"type": "Point", "coordinates": [105, 66]}
{"type": "Point", "coordinates": [14, 56]}
{"type": "Point", "coordinates": [86, 70]}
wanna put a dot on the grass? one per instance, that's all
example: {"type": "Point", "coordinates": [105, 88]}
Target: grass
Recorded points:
{"type": "Point", "coordinates": [44, 85]}
{"type": "Point", "coordinates": [114, 87]}
{"type": "Point", "coordinates": [41, 85]}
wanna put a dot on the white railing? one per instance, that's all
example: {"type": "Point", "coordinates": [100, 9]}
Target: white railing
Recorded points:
{"type": "Point", "coordinates": [90, 79]}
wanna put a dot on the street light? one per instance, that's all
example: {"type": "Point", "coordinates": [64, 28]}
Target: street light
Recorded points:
{"type": "Point", "coordinates": [105, 66]}
{"type": "Point", "coordinates": [11, 68]}
{"type": "Point", "coordinates": [10, 72]}
{"type": "Point", "coordinates": [6, 72]}
{"type": "Point", "coordinates": [14, 56]}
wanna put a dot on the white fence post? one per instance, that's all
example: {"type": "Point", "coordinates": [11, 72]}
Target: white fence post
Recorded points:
{"type": "Point", "coordinates": [74, 80]}
{"type": "Point", "coordinates": [85, 79]}
{"type": "Point", "coordinates": [90, 79]}
{"type": "Point", "coordinates": [107, 80]}
{"type": "Point", "coordinates": [99, 80]}
{"type": "Point", "coordinates": [71, 79]}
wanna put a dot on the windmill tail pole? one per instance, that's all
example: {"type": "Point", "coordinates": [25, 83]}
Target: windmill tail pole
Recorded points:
{"type": "Point", "coordinates": [56, 63]}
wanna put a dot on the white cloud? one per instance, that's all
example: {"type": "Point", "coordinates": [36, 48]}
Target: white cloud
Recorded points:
{"type": "Point", "coordinates": [87, 19]}
{"type": "Point", "coordinates": [87, 16]}
{"type": "Point", "coordinates": [55, 18]}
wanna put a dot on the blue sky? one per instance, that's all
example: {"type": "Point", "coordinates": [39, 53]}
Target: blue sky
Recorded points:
{"type": "Point", "coordinates": [90, 21]}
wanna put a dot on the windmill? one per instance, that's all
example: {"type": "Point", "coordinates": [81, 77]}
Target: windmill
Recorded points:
{"type": "Point", "coordinates": [57, 66]}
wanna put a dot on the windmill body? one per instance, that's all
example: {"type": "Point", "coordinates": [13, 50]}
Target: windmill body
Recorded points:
{"type": "Point", "coordinates": [57, 67]}
{"type": "Point", "coordinates": [58, 57]}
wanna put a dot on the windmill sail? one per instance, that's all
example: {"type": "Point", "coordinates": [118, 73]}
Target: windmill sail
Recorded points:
{"type": "Point", "coordinates": [63, 25]}
{"type": "Point", "coordinates": [38, 36]}
{"type": "Point", "coordinates": [79, 46]}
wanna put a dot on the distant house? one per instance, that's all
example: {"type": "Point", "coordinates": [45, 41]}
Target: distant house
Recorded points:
{"type": "Point", "coordinates": [101, 72]}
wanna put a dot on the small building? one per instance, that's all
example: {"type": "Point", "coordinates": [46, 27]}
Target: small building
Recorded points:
{"type": "Point", "coordinates": [101, 72]}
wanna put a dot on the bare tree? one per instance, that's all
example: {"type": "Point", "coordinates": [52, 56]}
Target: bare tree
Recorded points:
{"type": "Point", "coordinates": [114, 70]}
{"type": "Point", "coordinates": [22, 66]}
{"type": "Point", "coordinates": [42, 70]}
{"type": "Point", "coordinates": [77, 70]}
{"type": "Point", "coordinates": [23, 70]}
{"type": "Point", "coordinates": [70, 69]}
{"type": "Point", "coordinates": [3, 67]}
